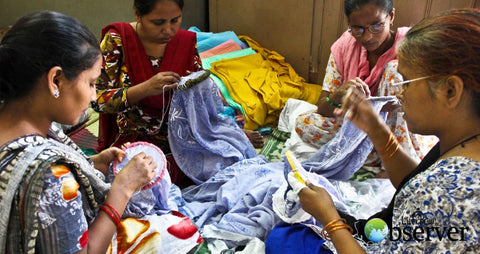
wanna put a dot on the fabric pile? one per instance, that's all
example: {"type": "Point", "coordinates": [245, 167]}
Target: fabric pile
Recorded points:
{"type": "Point", "coordinates": [255, 80]}
{"type": "Point", "coordinates": [241, 196]}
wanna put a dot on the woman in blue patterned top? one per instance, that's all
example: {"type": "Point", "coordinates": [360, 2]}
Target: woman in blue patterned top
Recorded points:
{"type": "Point", "coordinates": [436, 207]}
{"type": "Point", "coordinates": [53, 198]}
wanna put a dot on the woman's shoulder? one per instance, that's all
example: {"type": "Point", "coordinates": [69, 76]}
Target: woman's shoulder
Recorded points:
{"type": "Point", "coordinates": [35, 145]}
{"type": "Point", "coordinates": [458, 167]}
{"type": "Point", "coordinates": [115, 31]}
{"type": "Point", "coordinates": [452, 173]}
{"type": "Point", "coordinates": [21, 143]}
{"type": "Point", "coordinates": [117, 27]}
{"type": "Point", "coordinates": [457, 163]}
{"type": "Point", "coordinates": [401, 32]}
{"type": "Point", "coordinates": [112, 42]}
{"type": "Point", "coordinates": [344, 41]}
{"type": "Point", "coordinates": [446, 195]}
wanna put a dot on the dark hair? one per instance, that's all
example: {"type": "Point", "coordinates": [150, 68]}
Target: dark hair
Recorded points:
{"type": "Point", "coordinates": [446, 44]}
{"type": "Point", "coordinates": [352, 5]}
{"type": "Point", "coordinates": [39, 41]}
{"type": "Point", "coordinates": [144, 7]}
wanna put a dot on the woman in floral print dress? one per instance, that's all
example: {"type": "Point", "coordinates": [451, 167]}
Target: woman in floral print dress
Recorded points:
{"type": "Point", "coordinates": [365, 52]}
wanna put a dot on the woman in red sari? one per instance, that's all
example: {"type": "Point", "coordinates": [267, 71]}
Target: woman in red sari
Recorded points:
{"type": "Point", "coordinates": [142, 62]}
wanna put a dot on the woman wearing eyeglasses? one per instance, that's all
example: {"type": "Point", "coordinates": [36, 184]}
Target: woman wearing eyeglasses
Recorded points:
{"type": "Point", "coordinates": [363, 51]}
{"type": "Point", "coordinates": [436, 207]}
{"type": "Point", "coordinates": [363, 58]}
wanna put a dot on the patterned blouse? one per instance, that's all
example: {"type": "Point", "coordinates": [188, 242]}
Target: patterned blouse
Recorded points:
{"type": "Point", "coordinates": [56, 200]}
{"type": "Point", "coordinates": [60, 205]}
{"type": "Point", "coordinates": [115, 80]}
{"type": "Point", "coordinates": [438, 211]}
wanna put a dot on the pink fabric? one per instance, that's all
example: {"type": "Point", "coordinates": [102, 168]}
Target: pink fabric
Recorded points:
{"type": "Point", "coordinates": [351, 59]}
{"type": "Point", "coordinates": [225, 47]}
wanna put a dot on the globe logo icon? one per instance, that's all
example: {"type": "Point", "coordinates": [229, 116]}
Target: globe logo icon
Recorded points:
{"type": "Point", "coordinates": [376, 230]}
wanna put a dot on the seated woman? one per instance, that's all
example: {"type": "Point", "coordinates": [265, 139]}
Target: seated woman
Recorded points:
{"type": "Point", "coordinates": [364, 58]}
{"type": "Point", "coordinates": [142, 62]}
{"type": "Point", "coordinates": [436, 204]}
{"type": "Point", "coordinates": [54, 198]}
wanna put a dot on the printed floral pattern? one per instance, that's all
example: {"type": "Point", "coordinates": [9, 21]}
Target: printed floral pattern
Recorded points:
{"type": "Point", "coordinates": [445, 202]}
{"type": "Point", "coordinates": [69, 185]}
{"type": "Point", "coordinates": [169, 233]}
{"type": "Point", "coordinates": [61, 204]}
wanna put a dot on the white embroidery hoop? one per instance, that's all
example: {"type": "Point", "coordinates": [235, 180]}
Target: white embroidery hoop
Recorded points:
{"type": "Point", "coordinates": [150, 150]}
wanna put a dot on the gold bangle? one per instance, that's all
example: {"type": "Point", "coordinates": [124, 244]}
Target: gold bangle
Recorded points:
{"type": "Point", "coordinates": [343, 226]}
{"type": "Point", "coordinates": [325, 234]}
{"type": "Point", "coordinates": [394, 151]}
{"type": "Point", "coordinates": [333, 222]}
{"type": "Point", "coordinates": [329, 225]}
{"type": "Point", "coordinates": [390, 142]}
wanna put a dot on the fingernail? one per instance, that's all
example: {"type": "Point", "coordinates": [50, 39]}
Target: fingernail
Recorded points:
{"type": "Point", "coordinates": [348, 114]}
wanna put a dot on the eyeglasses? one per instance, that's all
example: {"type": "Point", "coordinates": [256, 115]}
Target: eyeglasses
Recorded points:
{"type": "Point", "coordinates": [399, 87]}
{"type": "Point", "coordinates": [358, 31]}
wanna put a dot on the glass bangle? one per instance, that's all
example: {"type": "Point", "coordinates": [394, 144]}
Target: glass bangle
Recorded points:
{"type": "Point", "coordinates": [337, 105]}
{"type": "Point", "coordinates": [111, 215]}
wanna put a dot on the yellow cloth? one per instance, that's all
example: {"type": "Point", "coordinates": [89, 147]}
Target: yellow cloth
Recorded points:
{"type": "Point", "coordinates": [262, 83]}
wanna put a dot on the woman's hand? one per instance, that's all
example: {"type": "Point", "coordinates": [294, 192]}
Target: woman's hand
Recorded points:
{"type": "Point", "coordinates": [161, 82]}
{"type": "Point", "coordinates": [355, 83]}
{"type": "Point", "coordinates": [317, 202]}
{"type": "Point", "coordinates": [392, 106]}
{"type": "Point", "coordinates": [326, 106]}
{"type": "Point", "coordinates": [138, 172]}
{"type": "Point", "coordinates": [103, 159]}
{"type": "Point", "coordinates": [158, 84]}
{"type": "Point", "coordinates": [359, 111]}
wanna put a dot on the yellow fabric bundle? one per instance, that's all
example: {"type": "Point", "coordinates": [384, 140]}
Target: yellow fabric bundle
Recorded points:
{"type": "Point", "coordinates": [262, 83]}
